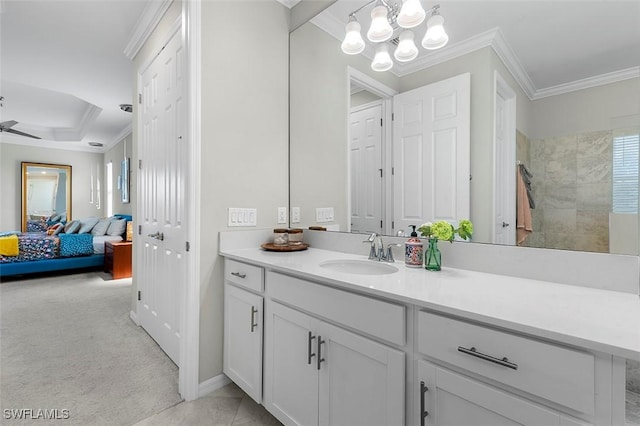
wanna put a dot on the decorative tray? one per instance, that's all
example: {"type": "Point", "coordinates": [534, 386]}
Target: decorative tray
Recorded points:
{"type": "Point", "coordinates": [272, 247]}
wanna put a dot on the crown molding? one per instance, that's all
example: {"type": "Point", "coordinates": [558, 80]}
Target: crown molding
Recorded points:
{"type": "Point", "coordinates": [149, 19]}
{"type": "Point", "coordinates": [586, 83]}
{"type": "Point", "coordinates": [126, 131]}
{"type": "Point", "coordinates": [289, 3]}
{"type": "Point", "coordinates": [512, 63]}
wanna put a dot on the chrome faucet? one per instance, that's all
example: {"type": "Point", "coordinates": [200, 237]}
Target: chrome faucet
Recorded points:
{"type": "Point", "coordinates": [377, 250]}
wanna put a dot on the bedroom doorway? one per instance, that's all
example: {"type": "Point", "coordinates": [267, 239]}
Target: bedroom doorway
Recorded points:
{"type": "Point", "coordinates": [162, 151]}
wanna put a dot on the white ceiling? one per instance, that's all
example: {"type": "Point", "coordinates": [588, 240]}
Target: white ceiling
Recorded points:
{"type": "Point", "coordinates": [554, 42]}
{"type": "Point", "coordinates": [64, 73]}
{"type": "Point", "coordinates": [63, 70]}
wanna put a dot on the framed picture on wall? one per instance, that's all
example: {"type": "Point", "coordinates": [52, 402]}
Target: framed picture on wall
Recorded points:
{"type": "Point", "coordinates": [124, 180]}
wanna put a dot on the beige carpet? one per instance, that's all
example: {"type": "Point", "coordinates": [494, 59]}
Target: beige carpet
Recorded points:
{"type": "Point", "coordinates": [67, 343]}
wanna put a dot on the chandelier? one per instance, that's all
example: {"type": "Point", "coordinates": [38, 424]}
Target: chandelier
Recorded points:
{"type": "Point", "coordinates": [384, 17]}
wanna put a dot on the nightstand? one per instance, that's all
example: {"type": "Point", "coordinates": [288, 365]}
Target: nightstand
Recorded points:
{"type": "Point", "coordinates": [117, 258]}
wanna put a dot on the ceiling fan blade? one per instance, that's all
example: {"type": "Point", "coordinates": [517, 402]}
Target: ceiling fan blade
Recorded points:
{"type": "Point", "coordinates": [18, 132]}
{"type": "Point", "coordinates": [6, 124]}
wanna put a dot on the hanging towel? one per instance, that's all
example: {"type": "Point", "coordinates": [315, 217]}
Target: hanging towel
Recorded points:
{"type": "Point", "coordinates": [523, 211]}
{"type": "Point", "coordinates": [9, 246]}
{"type": "Point", "coordinates": [526, 177]}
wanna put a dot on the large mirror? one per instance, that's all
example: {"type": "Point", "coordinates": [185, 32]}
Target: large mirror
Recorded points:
{"type": "Point", "coordinates": [572, 118]}
{"type": "Point", "coordinates": [46, 195]}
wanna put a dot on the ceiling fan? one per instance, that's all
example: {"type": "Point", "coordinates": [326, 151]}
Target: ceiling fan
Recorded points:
{"type": "Point", "coordinates": [6, 126]}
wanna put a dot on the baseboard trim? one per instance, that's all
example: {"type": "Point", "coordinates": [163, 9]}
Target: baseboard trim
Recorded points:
{"type": "Point", "coordinates": [212, 384]}
{"type": "Point", "coordinates": [134, 317]}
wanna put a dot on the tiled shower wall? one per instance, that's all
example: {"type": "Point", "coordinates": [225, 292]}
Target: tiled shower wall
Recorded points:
{"type": "Point", "coordinates": [571, 188]}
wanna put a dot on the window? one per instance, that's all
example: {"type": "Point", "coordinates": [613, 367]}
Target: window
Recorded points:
{"type": "Point", "coordinates": [109, 181]}
{"type": "Point", "coordinates": [625, 173]}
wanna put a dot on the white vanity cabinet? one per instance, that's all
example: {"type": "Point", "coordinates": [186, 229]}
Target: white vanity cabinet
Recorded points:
{"type": "Point", "coordinates": [317, 373]}
{"type": "Point", "coordinates": [243, 327]}
{"type": "Point", "coordinates": [560, 376]}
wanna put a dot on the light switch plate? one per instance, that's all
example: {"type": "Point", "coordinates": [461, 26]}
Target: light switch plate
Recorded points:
{"type": "Point", "coordinates": [242, 216]}
{"type": "Point", "coordinates": [324, 214]}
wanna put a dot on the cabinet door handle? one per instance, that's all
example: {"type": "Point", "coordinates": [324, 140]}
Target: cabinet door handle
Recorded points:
{"type": "Point", "coordinates": [500, 361]}
{"type": "Point", "coordinates": [423, 413]}
{"type": "Point", "coordinates": [309, 354]}
{"type": "Point", "coordinates": [320, 343]}
{"type": "Point", "coordinates": [239, 275]}
{"type": "Point", "coordinates": [254, 324]}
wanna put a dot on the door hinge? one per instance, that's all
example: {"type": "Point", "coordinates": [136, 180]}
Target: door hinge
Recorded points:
{"type": "Point", "coordinates": [381, 122]}
{"type": "Point", "coordinates": [393, 171]}
{"type": "Point", "coordinates": [140, 164]}
{"type": "Point", "coordinates": [139, 295]}
{"type": "Point", "coordinates": [470, 177]}
{"type": "Point", "coordinates": [393, 116]}
{"type": "Point", "coordinates": [380, 172]}
{"type": "Point", "coordinates": [393, 225]}
{"type": "Point", "coordinates": [140, 98]}
{"type": "Point", "coordinates": [380, 224]}
{"type": "Point", "coordinates": [139, 229]}
{"type": "Point", "coordinates": [187, 246]}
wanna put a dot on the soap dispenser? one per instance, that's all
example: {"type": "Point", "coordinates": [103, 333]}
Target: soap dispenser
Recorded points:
{"type": "Point", "coordinates": [413, 250]}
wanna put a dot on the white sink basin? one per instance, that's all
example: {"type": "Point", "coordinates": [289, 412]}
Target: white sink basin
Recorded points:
{"type": "Point", "coordinates": [360, 267]}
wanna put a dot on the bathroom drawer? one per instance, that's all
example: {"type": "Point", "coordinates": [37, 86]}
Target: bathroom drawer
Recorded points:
{"type": "Point", "coordinates": [366, 314]}
{"type": "Point", "coordinates": [248, 276]}
{"type": "Point", "coordinates": [558, 374]}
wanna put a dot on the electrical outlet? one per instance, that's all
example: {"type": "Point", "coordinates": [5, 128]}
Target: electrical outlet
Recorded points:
{"type": "Point", "coordinates": [324, 214]}
{"type": "Point", "coordinates": [282, 215]}
{"type": "Point", "coordinates": [295, 215]}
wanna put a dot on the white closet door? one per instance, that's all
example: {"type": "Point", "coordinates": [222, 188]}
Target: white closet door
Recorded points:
{"type": "Point", "coordinates": [366, 169]}
{"type": "Point", "coordinates": [161, 210]}
{"type": "Point", "coordinates": [432, 153]}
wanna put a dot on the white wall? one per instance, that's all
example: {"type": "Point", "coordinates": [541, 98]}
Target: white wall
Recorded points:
{"type": "Point", "coordinates": [245, 110]}
{"type": "Point", "coordinates": [82, 163]}
{"type": "Point", "coordinates": [115, 155]}
{"type": "Point", "coordinates": [587, 110]}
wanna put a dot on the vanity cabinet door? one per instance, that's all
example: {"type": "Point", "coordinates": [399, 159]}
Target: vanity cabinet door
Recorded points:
{"type": "Point", "coordinates": [451, 399]}
{"type": "Point", "coordinates": [243, 339]}
{"type": "Point", "coordinates": [361, 381]}
{"type": "Point", "coordinates": [290, 369]}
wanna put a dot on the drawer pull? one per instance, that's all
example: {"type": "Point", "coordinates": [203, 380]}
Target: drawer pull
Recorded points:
{"type": "Point", "coordinates": [309, 354]}
{"type": "Point", "coordinates": [423, 413]}
{"type": "Point", "coordinates": [254, 324]}
{"type": "Point", "coordinates": [320, 343]}
{"type": "Point", "coordinates": [239, 274]}
{"type": "Point", "coordinates": [504, 361]}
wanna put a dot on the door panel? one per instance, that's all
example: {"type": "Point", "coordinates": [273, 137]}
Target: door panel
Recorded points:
{"type": "Point", "coordinates": [366, 169]}
{"type": "Point", "coordinates": [432, 153]}
{"type": "Point", "coordinates": [161, 273]}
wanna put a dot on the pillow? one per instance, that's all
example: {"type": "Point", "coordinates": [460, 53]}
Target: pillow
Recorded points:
{"type": "Point", "coordinates": [54, 218]}
{"type": "Point", "coordinates": [72, 227]}
{"type": "Point", "coordinates": [76, 245]}
{"type": "Point", "coordinates": [55, 229]}
{"type": "Point", "coordinates": [117, 227]}
{"type": "Point", "coordinates": [101, 227]}
{"type": "Point", "coordinates": [86, 225]}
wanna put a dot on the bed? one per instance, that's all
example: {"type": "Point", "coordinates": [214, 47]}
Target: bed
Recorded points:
{"type": "Point", "coordinates": [41, 252]}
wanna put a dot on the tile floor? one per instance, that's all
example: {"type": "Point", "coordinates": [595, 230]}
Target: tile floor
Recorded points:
{"type": "Point", "coordinates": [230, 406]}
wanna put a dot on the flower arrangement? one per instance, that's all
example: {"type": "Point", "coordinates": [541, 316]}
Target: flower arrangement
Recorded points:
{"type": "Point", "coordinates": [443, 230]}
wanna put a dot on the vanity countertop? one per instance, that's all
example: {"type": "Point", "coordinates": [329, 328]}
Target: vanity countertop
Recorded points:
{"type": "Point", "coordinates": [601, 320]}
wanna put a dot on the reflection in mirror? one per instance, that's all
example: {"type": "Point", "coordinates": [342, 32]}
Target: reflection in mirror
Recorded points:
{"type": "Point", "coordinates": [575, 133]}
{"type": "Point", "coordinates": [46, 195]}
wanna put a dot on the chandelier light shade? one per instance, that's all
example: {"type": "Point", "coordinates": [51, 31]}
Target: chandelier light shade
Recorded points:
{"type": "Point", "coordinates": [353, 43]}
{"type": "Point", "coordinates": [407, 49]}
{"type": "Point", "coordinates": [380, 30]}
{"type": "Point", "coordinates": [387, 17]}
{"type": "Point", "coordinates": [411, 14]}
{"type": "Point", "coordinates": [382, 61]}
{"type": "Point", "coordinates": [435, 37]}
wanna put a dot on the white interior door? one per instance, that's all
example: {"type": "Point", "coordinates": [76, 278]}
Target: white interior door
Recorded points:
{"type": "Point", "coordinates": [505, 163]}
{"type": "Point", "coordinates": [431, 153]}
{"type": "Point", "coordinates": [161, 209]}
{"type": "Point", "coordinates": [366, 169]}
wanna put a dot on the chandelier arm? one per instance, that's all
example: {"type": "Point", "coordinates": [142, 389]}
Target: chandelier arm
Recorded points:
{"type": "Point", "coordinates": [432, 9]}
{"type": "Point", "coordinates": [361, 7]}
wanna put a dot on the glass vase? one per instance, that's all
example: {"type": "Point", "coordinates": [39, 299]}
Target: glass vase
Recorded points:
{"type": "Point", "coordinates": [433, 257]}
